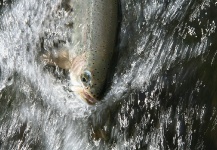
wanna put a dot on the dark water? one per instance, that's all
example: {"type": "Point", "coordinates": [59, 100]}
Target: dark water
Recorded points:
{"type": "Point", "coordinates": [162, 94]}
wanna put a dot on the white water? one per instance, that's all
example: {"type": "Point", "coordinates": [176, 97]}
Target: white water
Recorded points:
{"type": "Point", "coordinates": [37, 112]}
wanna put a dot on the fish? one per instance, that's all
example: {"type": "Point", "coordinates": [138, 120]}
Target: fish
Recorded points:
{"type": "Point", "coordinates": [92, 47]}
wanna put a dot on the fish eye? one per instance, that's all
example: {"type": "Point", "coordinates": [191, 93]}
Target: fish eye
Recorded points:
{"type": "Point", "coordinates": [86, 78]}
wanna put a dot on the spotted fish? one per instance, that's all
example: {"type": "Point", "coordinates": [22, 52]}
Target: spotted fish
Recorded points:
{"type": "Point", "coordinates": [93, 42]}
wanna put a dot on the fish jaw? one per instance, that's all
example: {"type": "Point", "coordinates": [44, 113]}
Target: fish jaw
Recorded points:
{"type": "Point", "coordinates": [84, 95]}
{"type": "Point", "coordinates": [77, 68]}
{"type": "Point", "coordinates": [88, 98]}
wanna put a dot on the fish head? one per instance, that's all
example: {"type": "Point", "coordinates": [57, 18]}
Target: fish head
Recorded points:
{"type": "Point", "coordinates": [86, 87]}
{"type": "Point", "coordinates": [94, 74]}
{"type": "Point", "coordinates": [88, 75]}
{"type": "Point", "coordinates": [92, 86]}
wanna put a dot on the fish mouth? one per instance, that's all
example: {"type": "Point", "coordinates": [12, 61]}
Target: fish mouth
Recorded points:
{"type": "Point", "coordinates": [88, 98]}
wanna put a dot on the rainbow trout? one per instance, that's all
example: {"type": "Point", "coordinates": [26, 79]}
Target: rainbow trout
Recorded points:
{"type": "Point", "coordinates": [93, 42]}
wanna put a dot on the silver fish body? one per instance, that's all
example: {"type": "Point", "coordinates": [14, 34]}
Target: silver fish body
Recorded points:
{"type": "Point", "coordinates": [93, 43]}
{"type": "Point", "coordinates": [95, 38]}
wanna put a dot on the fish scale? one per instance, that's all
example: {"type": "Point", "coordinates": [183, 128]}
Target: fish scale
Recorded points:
{"type": "Point", "coordinates": [93, 43]}
{"type": "Point", "coordinates": [103, 26]}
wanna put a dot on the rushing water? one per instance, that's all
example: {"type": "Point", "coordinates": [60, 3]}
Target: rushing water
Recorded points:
{"type": "Point", "coordinates": [162, 94]}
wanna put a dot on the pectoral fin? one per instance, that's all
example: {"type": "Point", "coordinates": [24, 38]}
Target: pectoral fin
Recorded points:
{"type": "Point", "coordinates": [60, 59]}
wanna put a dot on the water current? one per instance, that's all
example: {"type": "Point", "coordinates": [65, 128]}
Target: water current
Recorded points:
{"type": "Point", "coordinates": [162, 93]}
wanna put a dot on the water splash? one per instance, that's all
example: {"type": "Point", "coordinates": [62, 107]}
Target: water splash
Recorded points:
{"type": "Point", "coordinates": [158, 96]}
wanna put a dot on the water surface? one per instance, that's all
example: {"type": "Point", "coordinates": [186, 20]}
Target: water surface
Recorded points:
{"type": "Point", "coordinates": [162, 94]}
